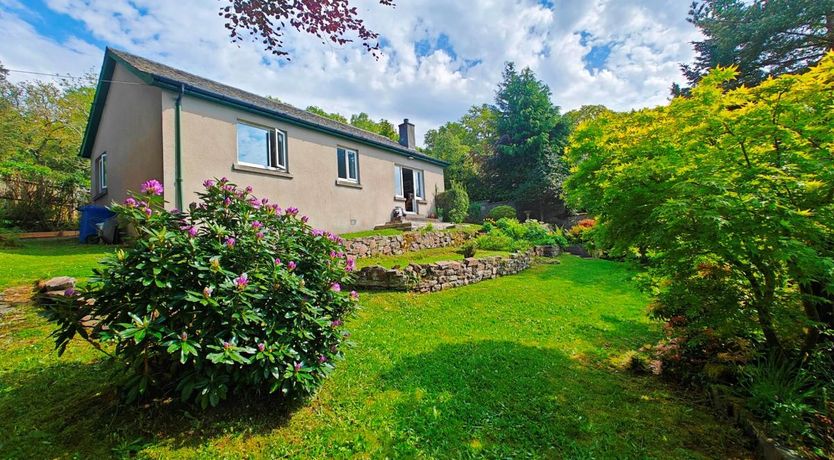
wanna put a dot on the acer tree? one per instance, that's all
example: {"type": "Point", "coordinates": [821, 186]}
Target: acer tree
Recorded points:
{"type": "Point", "coordinates": [266, 21]}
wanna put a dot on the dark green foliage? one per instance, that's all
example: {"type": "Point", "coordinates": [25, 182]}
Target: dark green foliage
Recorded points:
{"type": "Point", "coordinates": [762, 38]}
{"type": "Point", "coordinates": [361, 120]}
{"type": "Point", "coordinates": [333, 116]}
{"type": "Point", "coordinates": [453, 204]}
{"type": "Point", "coordinates": [234, 296]}
{"type": "Point", "coordinates": [501, 212]}
{"type": "Point", "coordinates": [474, 213]}
{"type": "Point", "coordinates": [527, 166]}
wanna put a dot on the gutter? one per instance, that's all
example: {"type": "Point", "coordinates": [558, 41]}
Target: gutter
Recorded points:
{"type": "Point", "coordinates": [178, 150]}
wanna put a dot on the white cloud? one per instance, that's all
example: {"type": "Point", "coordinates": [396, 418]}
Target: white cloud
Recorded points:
{"type": "Point", "coordinates": [648, 39]}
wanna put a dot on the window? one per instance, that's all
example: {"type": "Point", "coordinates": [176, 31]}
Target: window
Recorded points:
{"type": "Point", "coordinates": [101, 173]}
{"type": "Point", "coordinates": [418, 184]}
{"type": "Point", "coordinates": [398, 182]}
{"type": "Point", "coordinates": [265, 147]}
{"type": "Point", "coordinates": [347, 164]}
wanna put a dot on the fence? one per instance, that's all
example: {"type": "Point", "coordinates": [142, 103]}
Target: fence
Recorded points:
{"type": "Point", "coordinates": [39, 204]}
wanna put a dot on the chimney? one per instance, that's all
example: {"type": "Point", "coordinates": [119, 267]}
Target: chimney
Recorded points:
{"type": "Point", "coordinates": [407, 135]}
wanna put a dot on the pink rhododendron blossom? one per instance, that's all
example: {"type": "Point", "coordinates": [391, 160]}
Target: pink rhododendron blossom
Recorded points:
{"type": "Point", "coordinates": [297, 366]}
{"type": "Point", "coordinates": [336, 323]}
{"type": "Point", "coordinates": [184, 336]}
{"type": "Point", "coordinates": [277, 261]}
{"type": "Point", "coordinates": [227, 345]}
{"type": "Point", "coordinates": [207, 291]}
{"type": "Point", "coordinates": [354, 295]}
{"type": "Point", "coordinates": [242, 281]}
{"type": "Point", "coordinates": [130, 202]}
{"type": "Point", "coordinates": [304, 219]}
{"type": "Point", "coordinates": [148, 212]}
{"type": "Point", "coordinates": [259, 235]}
{"type": "Point", "coordinates": [257, 224]}
{"type": "Point", "coordinates": [322, 359]}
{"type": "Point", "coordinates": [152, 187]}
{"type": "Point", "coordinates": [227, 202]}
{"type": "Point", "coordinates": [230, 242]}
{"type": "Point", "coordinates": [261, 347]}
{"type": "Point", "coordinates": [350, 264]}
{"type": "Point", "coordinates": [208, 183]}
{"type": "Point", "coordinates": [291, 265]}
{"type": "Point", "coordinates": [291, 211]}
{"type": "Point", "coordinates": [335, 287]}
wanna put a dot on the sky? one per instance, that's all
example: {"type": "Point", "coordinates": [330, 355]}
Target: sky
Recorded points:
{"type": "Point", "coordinates": [439, 57]}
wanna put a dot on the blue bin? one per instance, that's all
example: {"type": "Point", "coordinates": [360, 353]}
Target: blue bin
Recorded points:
{"type": "Point", "coordinates": [90, 216]}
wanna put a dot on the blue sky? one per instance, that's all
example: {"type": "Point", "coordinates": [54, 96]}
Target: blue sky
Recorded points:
{"type": "Point", "coordinates": [439, 57]}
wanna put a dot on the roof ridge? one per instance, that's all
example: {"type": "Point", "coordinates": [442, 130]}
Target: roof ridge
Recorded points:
{"type": "Point", "coordinates": [123, 53]}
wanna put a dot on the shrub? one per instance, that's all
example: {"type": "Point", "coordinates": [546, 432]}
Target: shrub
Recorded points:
{"type": "Point", "coordinates": [502, 211]}
{"type": "Point", "coordinates": [474, 214]}
{"type": "Point", "coordinates": [453, 204]}
{"type": "Point", "coordinates": [496, 240]}
{"type": "Point", "coordinates": [511, 235]}
{"type": "Point", "coordinates": [235, 295]}
{"type": "Point", "coordinates": [469, 248]}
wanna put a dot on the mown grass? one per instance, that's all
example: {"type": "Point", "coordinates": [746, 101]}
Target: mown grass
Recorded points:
{"type": "Point", "coordinates": [34, 259]}
{"type": "Point", "coordinates": [393, 231]}
{"type": "Point", "coordinates": [521, 366]}
{"type": "Point", "coordinates": [425, 256]}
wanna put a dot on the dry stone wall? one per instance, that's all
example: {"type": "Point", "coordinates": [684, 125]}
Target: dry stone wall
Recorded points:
{"type": "Point", "coordinates": [449, 274]}
{"type": "Point", "coordinates": [372, 246]}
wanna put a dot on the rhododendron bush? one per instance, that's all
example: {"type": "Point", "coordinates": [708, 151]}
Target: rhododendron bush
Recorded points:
{"type": "Point", "coordinates": [236, 294]}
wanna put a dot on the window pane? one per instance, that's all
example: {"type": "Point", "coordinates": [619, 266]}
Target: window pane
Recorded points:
{"type": "Point", "coordinates": [340, 159]}
{"type": "Point", "coordinates": [252, 145]}
{"type": "Point", "coordinates": [398, 181]}
{"type": "Point", "coordinates": [352, 165]}
{"type": "Point", "coordinates": [280, 150]}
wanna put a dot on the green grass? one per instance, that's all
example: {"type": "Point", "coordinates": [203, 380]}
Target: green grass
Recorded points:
{"type": "Point", "coordinates": [522, 366]}
{"type": "Point", "coordinates": [35, 259]}
{"type": "Point", "coordinates": [425, 256]}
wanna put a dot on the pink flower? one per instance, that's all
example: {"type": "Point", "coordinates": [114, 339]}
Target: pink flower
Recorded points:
{"type": "Point", "coordinates": [304, 219]}
{"type": "Point", "coordinates": [277, 261]}
{"type": "Point", "coordinates": [257, 224]}
{"type": "Point", "coordinates": [291, 265]}
{"type": "Point", "coordinates": [227, 345]}
{"type": "Point", "coordinates": [336, 323]}
{"type": "Point", "coordinates": [350, 264]}
{"type": "Point", "coordinates": [148, 212]}
{"type": "Point", "coordinates": [190, 229]}
{"type": "Point", "coordinates": [332, 254]}
{"type": "Point", "coordinates": [227, 202]}
{"type": "Point", "coordinates": [184, 336]}
{"type": "Point", "coordinates": [335, 287]}
{"type": "Point", "coordinates": [207, 292]}
{"type": "Point", "coordinates": [70, 292]}
{"type": "Point", "coordinates": [230, 242]}
{"type": "Point", "coordinates": [322, 359]}
{"type": "Point", "coordinates": [130, 202]}
{"type": "Point", "coordinates": [249, 189]}
{"type": "Point", "coordinates": [261, 347]}
{"type": "Point", "coordinates": [151, 187]}
{"type": "Point", "coordinates": [208, 183]}
{"type": "Point", "coordinates": [297, 366]}
{"type": "Point", "coordinates": [242, 281]}
{"type": "Point", "coordinates": [259, 235]}
{"type": "Point", "coordinates": [354, 295]}
{"type": "Point", "coordinates": [316, 232]}
{"type": "Point", "coordinates": [291, 211]}
{"type": "Point", "coordinates": [264, 201]}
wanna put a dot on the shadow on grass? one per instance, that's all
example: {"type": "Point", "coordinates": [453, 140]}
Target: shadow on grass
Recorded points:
{"type": "Point", "coordinates": [504, 399]}
{"type": "Point", "coordinates": [74, 410]}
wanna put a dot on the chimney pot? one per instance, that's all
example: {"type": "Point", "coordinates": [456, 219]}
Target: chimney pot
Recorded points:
{"type": "Point", "coordinates": [407, 139]}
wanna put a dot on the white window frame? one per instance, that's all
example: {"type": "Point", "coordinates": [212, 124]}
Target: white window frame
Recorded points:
{"type": "Point", "coordinates": [275, 158]}
{"type": "Point", "coordinates": [348, 151]}
{"type": "Point", "coordinates": [398, 182]}
{"type": "Point", "coordinates": [101, 173]}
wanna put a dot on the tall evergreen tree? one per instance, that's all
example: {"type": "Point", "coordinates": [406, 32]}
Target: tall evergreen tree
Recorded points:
{"type": "Point", "coordinates": [763, 37]}
{"type": "Point", "coordinates": [527, 166]}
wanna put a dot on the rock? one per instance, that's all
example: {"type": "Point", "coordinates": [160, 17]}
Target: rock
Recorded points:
{"type": "Point", "coordinates": [60, 283]}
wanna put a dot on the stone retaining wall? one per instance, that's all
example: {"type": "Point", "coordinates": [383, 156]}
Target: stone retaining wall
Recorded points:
{"type": "Point", "coordinates": [448, 274]}
{"type": "Point", "coordinates": [371, 246]}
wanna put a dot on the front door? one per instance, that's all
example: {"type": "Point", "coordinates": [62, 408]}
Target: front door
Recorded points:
{"type": "Point", "coordinates": [408, 185]}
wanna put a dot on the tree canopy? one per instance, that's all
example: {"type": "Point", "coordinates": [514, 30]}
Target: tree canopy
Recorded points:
{"type": "Point", "coordinates": [762, 38]}
{"type": "Point", "coordinates": [361, 120]}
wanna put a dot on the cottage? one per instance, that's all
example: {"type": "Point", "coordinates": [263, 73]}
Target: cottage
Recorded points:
{"type": "Point", "coordinates": [149, 120]}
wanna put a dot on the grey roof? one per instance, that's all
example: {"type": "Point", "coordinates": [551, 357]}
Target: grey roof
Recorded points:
{"type": "Point", "coordinates": [166, 76]}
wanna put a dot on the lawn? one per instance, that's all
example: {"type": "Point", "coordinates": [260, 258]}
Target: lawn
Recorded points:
{"type": "Point", "coordinates": [393, 231]}
{"type": "Point", "coordinates": [35, 259]}
{"type": "Point", "coordinates": [424, 257]}
{"type": "Point", "coordinates": [522, 366]}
